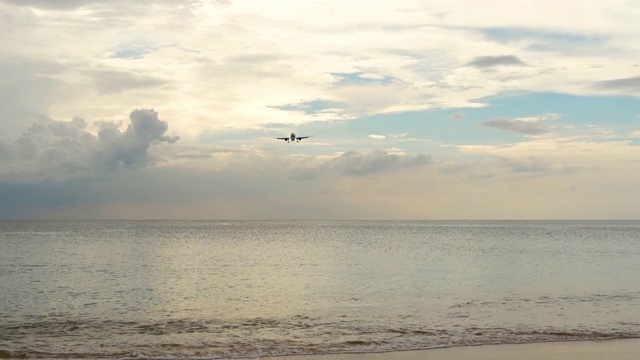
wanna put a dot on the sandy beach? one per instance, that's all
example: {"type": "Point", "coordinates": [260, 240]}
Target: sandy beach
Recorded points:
{"type": "Point", "coordinates": [622, 349]}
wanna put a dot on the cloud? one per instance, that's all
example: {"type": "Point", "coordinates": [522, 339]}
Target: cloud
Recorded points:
{"type": "Point", "coordinates": [53, 150]}
{"type": "Point", "coordinates": [629, 85]}
{"type": "Point", "coordinates": [532, 164]}
{"type": "Point", "coordinates": [385, 65]}
{"type": "Point", "coordinates": [52, 5]}
{"type": "Point", "coordinates": [75, 4]}
{"type": "Point", "coordinates": [355, 163]}
{"type": "Point", "coordinates": [253, 65]}
{"type": "Point", "coordinates": [482, 62]}
{"type": "Point", "coordinates": [456, 116]}
{"type": "Point", "coordinates": [127, 149]}
{"type": "Point", "coordinates": [514, 125]}
{"type": "Point", "coordinates": [25, 91]}
{"type": "Point", "coordinates": [377, 137]}
{"type": "Point", "coordinates": [524, 125]}
{"type": "Point", "coordinates": [252, 185]}
{"type": "Point", "coordinates": [112, 81]}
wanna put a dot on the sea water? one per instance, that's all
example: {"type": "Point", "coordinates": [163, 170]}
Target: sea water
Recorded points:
{"type": "Point", "coordinates": [209, 289]}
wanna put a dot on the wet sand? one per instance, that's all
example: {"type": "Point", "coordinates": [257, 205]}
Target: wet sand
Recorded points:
{"type": "Point", "coordinates": [624, 349]}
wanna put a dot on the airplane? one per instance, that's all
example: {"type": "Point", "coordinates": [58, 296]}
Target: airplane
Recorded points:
{"type": "Point", "coordinates": [293, 138]}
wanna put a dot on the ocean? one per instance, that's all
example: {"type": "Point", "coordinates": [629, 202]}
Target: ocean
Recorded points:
{"type": "Point", "coordinates": [214, 289]}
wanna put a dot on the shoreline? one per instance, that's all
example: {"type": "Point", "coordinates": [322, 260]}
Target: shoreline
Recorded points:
{"type": "Point", "coordinates": [609, 349]}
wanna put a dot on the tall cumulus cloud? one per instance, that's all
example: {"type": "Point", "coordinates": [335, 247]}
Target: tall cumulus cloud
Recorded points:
{"type": "Point", "coordinates": [52, 150]}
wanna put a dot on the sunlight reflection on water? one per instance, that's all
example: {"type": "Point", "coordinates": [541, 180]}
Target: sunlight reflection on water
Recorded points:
{"type": "Point", "coordinates": [197, 288]}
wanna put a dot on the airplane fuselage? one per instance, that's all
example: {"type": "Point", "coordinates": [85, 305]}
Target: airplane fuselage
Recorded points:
{"type": "Point", "coordinates": [293, 138]}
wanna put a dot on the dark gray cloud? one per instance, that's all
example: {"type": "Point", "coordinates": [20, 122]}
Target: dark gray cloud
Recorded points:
{"type": "Point", "coordinates": [515, 125]}
{"type": "Point", "coordinates": [354, 163]}
{"type": "Point", "coordinates": [483, 62]}
{"type": "Point", "coordinates": [53, 150]}
{"type": "Point", "coordinates": [116, 150]}
{"type": "Point", "coordinates": [626, 85]}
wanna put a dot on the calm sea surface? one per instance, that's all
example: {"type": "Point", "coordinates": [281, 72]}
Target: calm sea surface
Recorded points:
{"type": "Point", "coordinates": [124, 289]}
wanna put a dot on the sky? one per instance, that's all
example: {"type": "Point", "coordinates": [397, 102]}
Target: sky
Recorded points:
{"type": "Point", "coordinates": [457, 109]}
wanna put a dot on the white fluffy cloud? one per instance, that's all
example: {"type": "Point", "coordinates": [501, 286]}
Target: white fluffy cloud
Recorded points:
{"type": "Point", "coordinates": [244, 60]}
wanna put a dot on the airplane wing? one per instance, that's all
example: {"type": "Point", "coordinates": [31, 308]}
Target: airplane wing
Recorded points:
{"type": "Point", "coordinates": [303, 137]}
{"type": "Point", "coordinates": [285, 139]}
